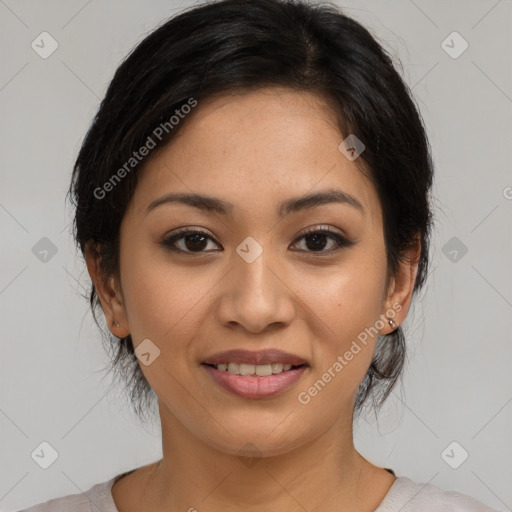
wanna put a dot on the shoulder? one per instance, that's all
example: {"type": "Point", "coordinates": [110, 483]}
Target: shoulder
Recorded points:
{"type": "Point", "coordinates": [408, 496]}
{"type": "Point", "coordinates": [98, 497]}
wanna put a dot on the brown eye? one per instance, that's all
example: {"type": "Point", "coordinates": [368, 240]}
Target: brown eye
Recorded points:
{"type": "Point", "coordinates": [191, 241]}
{"type": "Point", "coordinates": [321, 241]}
{"type": "Point", "coordinates": [318, 239]}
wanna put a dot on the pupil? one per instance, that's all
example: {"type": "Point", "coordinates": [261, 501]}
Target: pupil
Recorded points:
{"type": "Point", "coordinates": [198, 242]}
{"type": "Point", "coordinates": [315, 237]}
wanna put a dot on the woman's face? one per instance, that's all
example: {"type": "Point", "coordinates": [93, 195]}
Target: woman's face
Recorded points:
{"type": "Point", "coordinates": [252, 281]}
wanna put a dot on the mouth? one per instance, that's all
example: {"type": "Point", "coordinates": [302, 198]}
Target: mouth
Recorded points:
{"type": "Point", "coordinates": [255, 375]}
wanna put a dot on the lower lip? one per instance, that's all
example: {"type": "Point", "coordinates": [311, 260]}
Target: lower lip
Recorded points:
{"type": "Point", "coordinates": [253, 386]}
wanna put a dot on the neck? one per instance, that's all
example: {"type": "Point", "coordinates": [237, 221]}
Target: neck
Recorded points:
{"type": "Point", "coordinates": [323, 475]}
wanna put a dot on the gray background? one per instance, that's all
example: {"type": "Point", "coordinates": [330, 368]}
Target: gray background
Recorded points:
{"type": "Point", "coordinates": [457, 385]}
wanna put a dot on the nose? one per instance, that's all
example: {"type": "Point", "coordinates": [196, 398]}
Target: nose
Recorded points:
{"type": "Point", "coordinates": [255, 297]}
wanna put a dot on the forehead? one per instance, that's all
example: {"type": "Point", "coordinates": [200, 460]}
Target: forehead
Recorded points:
{"type": "Point", "coordinates": [256, 148]}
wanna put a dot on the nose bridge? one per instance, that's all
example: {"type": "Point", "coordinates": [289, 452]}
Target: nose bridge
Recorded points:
{"type": "Point", "coordinates": [255, 277]}
{"type": "Point", "coordinates": [255, 296]}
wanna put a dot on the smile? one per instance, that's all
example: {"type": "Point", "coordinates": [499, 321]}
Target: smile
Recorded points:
{"type": "Point", "coordinates": [255, 381]}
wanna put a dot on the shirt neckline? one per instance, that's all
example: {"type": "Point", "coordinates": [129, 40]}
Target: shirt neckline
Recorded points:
{"type": "Point", "coordinates": [390, 495]}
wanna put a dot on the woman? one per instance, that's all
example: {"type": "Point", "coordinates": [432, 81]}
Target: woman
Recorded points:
{"type": "Point", "coordinates": [252, 202]}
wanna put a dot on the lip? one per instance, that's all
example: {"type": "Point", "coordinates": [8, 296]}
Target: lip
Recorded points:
{"type": "Point", "coordinates": [248, 357]}
{"type": "Point", "coordinates": [253, 386]}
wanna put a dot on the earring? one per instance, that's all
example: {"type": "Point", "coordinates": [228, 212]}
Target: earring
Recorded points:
{"type": "Point", "coordinates": [114, 322]}
{"type": "Point", "coordinates": [393, 323]}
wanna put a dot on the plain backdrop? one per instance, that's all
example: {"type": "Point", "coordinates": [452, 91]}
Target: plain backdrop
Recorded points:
{"type": "Point", "coordinates": [457, 389]}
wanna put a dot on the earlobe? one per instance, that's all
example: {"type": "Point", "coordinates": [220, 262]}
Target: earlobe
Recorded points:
{"type": "Point", "coordinates": [117, 330]}
{"type": "Point", "coordinates": [402, 288]}
{"type": "Point", "coordinates": [393, 324]}
{"type": "Point", "coordinates": [119, 323]}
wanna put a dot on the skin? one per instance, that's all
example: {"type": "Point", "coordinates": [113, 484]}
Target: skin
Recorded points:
{"type": "Point", "coordinates": [254, 150]}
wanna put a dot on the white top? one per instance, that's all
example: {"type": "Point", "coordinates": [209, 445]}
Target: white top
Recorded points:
{"type": "Point", "coordinates": [404, 496]}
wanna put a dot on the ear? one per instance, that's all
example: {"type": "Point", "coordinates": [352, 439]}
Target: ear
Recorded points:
{"type": "Point", "coordinates": [108, 291]}
{"type": "Point", "coordinates": [400, 288]}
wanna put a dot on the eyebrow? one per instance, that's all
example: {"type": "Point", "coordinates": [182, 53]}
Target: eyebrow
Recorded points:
{"type": "Point", "coordinates": [293, 205]}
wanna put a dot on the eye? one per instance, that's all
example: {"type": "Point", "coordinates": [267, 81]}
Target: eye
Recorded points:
{"type": "Point", "coordinates": [194, 241]}
{"type": "Point", "coordinates": [317, 239]}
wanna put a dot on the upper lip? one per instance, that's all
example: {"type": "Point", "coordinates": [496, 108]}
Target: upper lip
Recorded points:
{"type": "Point", "coordinates": [248, 357]}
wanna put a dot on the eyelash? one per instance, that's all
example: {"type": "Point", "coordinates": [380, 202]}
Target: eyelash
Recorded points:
{"type": "Point", "coordinates": [340, 241]}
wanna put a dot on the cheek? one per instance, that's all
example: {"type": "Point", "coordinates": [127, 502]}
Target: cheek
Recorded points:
{"type": "Point", "coordinates": [163, 304]}
{"type": "Point", "coordinates": [163, 301]}
{"type": "Point", "coordinates": [344, 302]}
{"type": "Point", "coordinates": [345, 296]}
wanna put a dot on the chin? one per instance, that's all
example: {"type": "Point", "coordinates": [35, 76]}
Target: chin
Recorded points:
{"type": "Point", "coordinates": [259, 439]}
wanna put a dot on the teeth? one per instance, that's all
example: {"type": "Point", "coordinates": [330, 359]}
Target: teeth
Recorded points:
{"type": "Point", "coordinates": [277, 367]}
{"type": "Point", "coordinates": [262, 370]}
{"type": "Point", "coordinates": [246, 369]}
{"type": "Point", "coordinates": [233, 368]}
